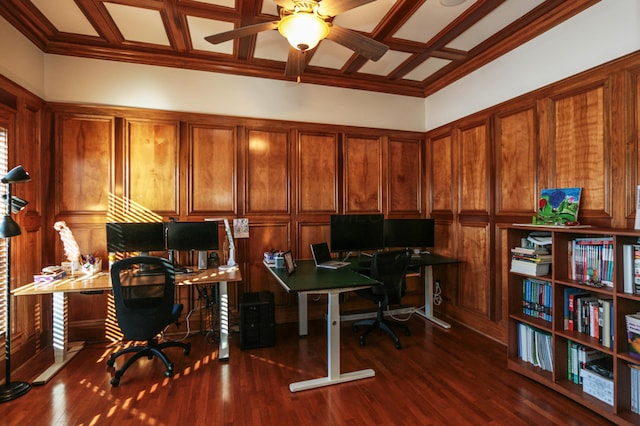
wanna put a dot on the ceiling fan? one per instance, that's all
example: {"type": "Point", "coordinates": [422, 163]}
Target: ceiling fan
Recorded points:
{"type": "Point", "coordinates": [304, 24]}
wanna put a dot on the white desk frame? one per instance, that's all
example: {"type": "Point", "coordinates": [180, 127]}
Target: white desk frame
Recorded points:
{"type": "Point", "coordinates": [427, 312]}
{"type": "Point", "coordinates": [334, 376]}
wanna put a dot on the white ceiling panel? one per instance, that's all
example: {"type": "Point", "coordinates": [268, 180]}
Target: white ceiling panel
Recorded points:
{"type": "Point", "coordinates": [385, 65]}
{"type": "Point", "coordinates": [65, 16]}
{"type": "Point", "coordinates": [199, 28]}
{"type": "Point", "coordinates": [426, 69]}
{"type": "Point", "coordinates": [271, 45]}
{"type": "Point", "coordinates": [502, 16]}
{"type": "Point", "coordinates": [364, 18]}
{"type": "Point", "coordinates": [225, 3]}
{"type": "Point", "coordinates": [429, 20]}
{"type": "Point", "coordinates": [330, 55]}
{"type": "Point", "coordinates": [138, 24]}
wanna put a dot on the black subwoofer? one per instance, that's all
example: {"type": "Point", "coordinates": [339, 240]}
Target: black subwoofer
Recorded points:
{"type": "Point", "coordinates": [257, 320]}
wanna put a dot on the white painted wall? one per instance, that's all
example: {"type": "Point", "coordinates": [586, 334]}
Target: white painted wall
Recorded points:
{"type": "Point", "coordinates": [20, 60]}
{"type": "Point", "coordinates": [606, 31]}
{"type": "Point", "coordinates": [69, 79]}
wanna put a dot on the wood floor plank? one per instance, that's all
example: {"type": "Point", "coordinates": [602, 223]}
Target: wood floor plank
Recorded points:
{"type": "Point", "coordinates": [439, 377]}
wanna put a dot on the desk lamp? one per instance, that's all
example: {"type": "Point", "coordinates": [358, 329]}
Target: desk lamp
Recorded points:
{"type": "Point", "coordinates": [9, 228]}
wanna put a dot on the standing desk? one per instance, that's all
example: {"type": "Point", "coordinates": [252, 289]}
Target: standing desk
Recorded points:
{"type": "Point", "coordinates": [427, 261]}
{"type": "Point", "coordinates": [64, 351]}
{"type": "Point", "coordinates": [308, 280]}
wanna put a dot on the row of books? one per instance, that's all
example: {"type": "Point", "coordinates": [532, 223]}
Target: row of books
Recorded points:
{"type": "Point", "coordinates": [592, 260]}
{"type": "Point", "coordinates": [592, 369]}
{"type": "Point", "coordinates": [537, 298]}
{"type": "Point", "coordinates": [633, 334]}
{"type": "Point", "coordinates": [631, 268]}
{"type": "Point", "coordinates": [590, 315]}
{"type": "Point", "coordinates": [635, 388]}
{"type": "Point", "coordinates": [534, 347]}
{"type": "Point", "coordinates": [531, 260]}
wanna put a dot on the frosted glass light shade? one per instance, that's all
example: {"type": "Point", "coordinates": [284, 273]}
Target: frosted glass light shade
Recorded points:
{"type": "Point", "coordinates": [303, 30]}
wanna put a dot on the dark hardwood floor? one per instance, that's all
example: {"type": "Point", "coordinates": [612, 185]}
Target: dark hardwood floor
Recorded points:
{"type": "Point", "coordinates": [439, 377]}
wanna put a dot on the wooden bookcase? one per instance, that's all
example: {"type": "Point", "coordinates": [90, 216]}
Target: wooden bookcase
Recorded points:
{"type": "Point", "coordinates": [560, 279]}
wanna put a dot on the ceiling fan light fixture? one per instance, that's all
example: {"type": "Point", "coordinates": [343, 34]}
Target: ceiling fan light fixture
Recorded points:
{"type": "Point", "coordinates": [303, 30]}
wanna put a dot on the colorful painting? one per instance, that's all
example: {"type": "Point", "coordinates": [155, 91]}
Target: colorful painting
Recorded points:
{"type": "Point", "coordinates": [558, 206]}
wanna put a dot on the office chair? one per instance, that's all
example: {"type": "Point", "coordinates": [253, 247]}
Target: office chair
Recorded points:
{"type": "Point", "coordinates": [389, 268]}
{"type": "Point", "coordinates": [143, 292]}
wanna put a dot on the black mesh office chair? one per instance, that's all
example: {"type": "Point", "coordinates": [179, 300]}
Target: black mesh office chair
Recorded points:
{"type": "Point", "coordinates": [143, 292]}
{"type": "Point", "coordinates": [389, 268]}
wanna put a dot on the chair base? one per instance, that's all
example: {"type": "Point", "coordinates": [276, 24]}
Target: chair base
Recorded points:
{"type": "Point", "coordinates": [383, 325]}
{"type": "Point", "coordinates": [151, 349]}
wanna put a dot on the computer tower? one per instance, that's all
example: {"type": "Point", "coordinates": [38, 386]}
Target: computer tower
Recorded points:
{"type": "Point", "coordinates": [257, 320]}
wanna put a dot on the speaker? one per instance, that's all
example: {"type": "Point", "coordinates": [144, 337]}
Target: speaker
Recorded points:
{"type": "Point", "coordinates": [202, 259]}
{"type": "Point", "coordinates": [257, 320]}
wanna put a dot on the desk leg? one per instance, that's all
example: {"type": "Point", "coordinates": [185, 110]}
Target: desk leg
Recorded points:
{"type": "Point", "coordinates": [303, 319]}
{"type": "Point", "coordinates": [63, 351]}
{"type": "Point", "coordinates": [428, 299]}
{"type": "Point", "coordinates": [333, 353]}
{"type": "Point", "coordinates": [223, 350]}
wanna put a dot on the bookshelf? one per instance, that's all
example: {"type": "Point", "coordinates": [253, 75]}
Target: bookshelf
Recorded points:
{"type": "Point", "coordinates": [604, 284]}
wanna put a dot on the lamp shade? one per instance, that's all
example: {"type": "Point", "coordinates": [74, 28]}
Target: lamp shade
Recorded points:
{"type": "Point", "coordinates": [17, 203]}
{"type": "Point", "coordinates": [303, 30]}
{"type": "Point", "coordinates": [15, 175]}
{"type": "Point", "coordinates": [9, 227]}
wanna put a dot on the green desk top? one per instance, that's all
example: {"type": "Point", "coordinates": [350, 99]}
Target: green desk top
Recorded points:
{"type": "Point", "coordinates": [309, 278]}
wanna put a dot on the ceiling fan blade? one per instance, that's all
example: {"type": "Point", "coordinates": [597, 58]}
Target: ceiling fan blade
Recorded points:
{"type": "Point", "coordinates": [241, 32]}
{"type": "Point", "coordinates": [296, 62]}
{"type": "Point", "coordinates": [361, 44]}
{"type": "Point", "coordinates": [336, 7]}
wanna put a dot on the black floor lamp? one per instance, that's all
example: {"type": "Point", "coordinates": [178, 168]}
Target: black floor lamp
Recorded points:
{"type": "Point", "coordinates": [9, 228]}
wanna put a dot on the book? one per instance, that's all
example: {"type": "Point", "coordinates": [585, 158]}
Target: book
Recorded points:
{"type": "Point", "coordinates": [628, 267]}
{"type": "Point", "coordinates": [530, 268]}
{"type": "Point", "coordinates": [569, 295]}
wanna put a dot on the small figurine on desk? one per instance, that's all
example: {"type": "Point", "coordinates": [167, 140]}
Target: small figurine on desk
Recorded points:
{"type": "Point", "coordinates": [71, 248]}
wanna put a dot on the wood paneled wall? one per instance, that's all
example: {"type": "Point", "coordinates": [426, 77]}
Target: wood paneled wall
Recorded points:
{"type": "Point", "coordinates": [486, 171]}
{"type": "Point", "coordinates": [474, 176]}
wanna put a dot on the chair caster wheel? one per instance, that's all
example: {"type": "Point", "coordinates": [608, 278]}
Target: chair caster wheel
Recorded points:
{"type": "Point", "coordinates": [110, 362]}
{"type": "Point", "coordinates": [187, 350]}
{"type": "Point", "coordinates": [362, 342]}
{"type": "Point", "coordinates": [115, 381]}
{"type": "Point", "coordinates": [407, 333]}
{"type": "Point", "coordinates": [398, 345]}
{"type": "Point", "coordinates": [169, 373]}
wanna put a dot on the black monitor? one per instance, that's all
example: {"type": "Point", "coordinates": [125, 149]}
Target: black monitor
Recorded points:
{"type": "Point", "coordinates": [409, 233]}
{"type": "Point", "coordinates": [356, 232]}
{"type": "Point", "coordinates": [192, 235]}
{"type": "Point", "coordinates": [128, 237]}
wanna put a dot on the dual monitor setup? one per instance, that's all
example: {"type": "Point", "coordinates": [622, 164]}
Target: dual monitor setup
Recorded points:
{"type": "Point", "coordinates": [359, 232]}
{"type": "Point", "coordinates": [163, 236]}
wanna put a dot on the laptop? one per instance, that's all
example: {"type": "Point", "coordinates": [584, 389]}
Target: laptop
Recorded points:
{"type": "Point", "coordinates": [322, 257]}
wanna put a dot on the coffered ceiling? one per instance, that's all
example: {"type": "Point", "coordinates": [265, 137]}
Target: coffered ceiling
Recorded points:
{"type": "Point", "coordinates": [431, 43]}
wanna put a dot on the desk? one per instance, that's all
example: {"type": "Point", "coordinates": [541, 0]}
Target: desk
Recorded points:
{"type": "Point", "coordinates": [64, 351]}
{"type": "Point", "coordinates": [427, 261]}
{"type": "Point", "coordinates": [309, 280]}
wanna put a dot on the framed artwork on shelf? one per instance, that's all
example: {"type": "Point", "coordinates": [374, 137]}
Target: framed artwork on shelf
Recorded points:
{"type": "Point", "coordinates": [558, 206]}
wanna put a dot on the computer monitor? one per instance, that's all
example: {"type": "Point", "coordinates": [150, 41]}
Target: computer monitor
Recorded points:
{"type": "Point", "coordinates": [128, 237]}
{"type": "Point", "coordinates": [409, 233]}
{"type": "Point", "coordinates": [356, 232]}
{"type": "Point", "coordinates": [192, 236]}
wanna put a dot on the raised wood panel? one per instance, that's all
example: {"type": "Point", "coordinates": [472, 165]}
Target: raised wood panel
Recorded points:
{"type": "Point", "coordinates": [474, 283]}
{"type": "Point", "coordinates": [152, 165]}
{"type": "Point", "coordinates": [581, 151]}
{"type": "Point", "coordinates": [212, 170]}
{"type": "Point", "coordinates": [83, 149]}
{"type": "Point", "coordinates": [31, 157]}
{"type": "Point", "coordinates": [516, 162]}
{"type": "Point", "coordinates": [405, 174]}
{"type": "Point", "coordinates": [310, 233]}
{"type": "Point", "coordinates": [317, 157]}
{"type": "Point", "coordinates": [264, 237]}
{"type": "Point", "coordinates": [267, 172]}
{"type": "Point", "coordinates": [474, 189]}
{"type": "Point", "coordinates": [363, 175]}
{"type": "Point", "coordinates": [441, 175]}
